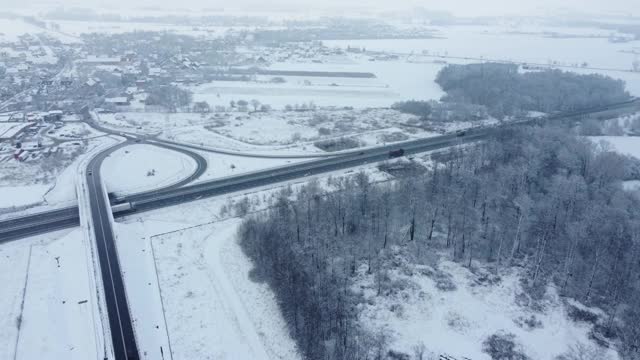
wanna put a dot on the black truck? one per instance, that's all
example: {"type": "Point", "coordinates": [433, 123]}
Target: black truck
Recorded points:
{"type": "Point", "coordinates": [396, 153]}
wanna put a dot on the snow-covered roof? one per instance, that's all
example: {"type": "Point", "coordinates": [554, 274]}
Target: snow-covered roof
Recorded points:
{"type": "Point", "coordinates": [114, 100]}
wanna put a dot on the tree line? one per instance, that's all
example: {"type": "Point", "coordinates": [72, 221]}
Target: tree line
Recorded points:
{"type": "Point", "coordinates": [506, 91]}
{"type": "Point", "coordinates": [536, 198]}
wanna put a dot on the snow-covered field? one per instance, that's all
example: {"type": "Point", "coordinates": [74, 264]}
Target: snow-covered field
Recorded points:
{"type": "Point", "coordinates": [509, 44]}
{"type": "Point", "coordinates": [16, 196]}
{"type": "Point", "coordinates": [499, 43]}
{"type": "Point", "coordinates": [457, 321]}
{"type": "Point", "coordinates": [73, 130]}
{"type": "Point", "coordinates": [631, 185]}
{"type": "Point", "coordinates": [628, 145]}
{"type": "Point", "coordinates": [395, 81]}
{"type": "Point", "coordinates": [280, 95]}
{"type": "Point", "coordinates": [47, 180]}
{"type": "Point", "coordinates": [139, 168]}
{"type": "Point", "coordinates": [274, 132]}
{"type": "Point", "coordinates": [12, 29]}
{"type": "Point", "coordinates": [10, 129]}
{"type": "Point", "coordinates": [45, 306]}
{"type": "Point", "coordinates": [224, 314]}
{"type": "Point", "coordinates": [220, 165]}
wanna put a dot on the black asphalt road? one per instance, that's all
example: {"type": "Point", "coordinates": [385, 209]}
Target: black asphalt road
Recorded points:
{"type": "Point", "coordinates": [120, 324]}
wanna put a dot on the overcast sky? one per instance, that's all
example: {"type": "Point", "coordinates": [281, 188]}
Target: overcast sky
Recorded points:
{"type": "Point", "coordinates": [458, 7]}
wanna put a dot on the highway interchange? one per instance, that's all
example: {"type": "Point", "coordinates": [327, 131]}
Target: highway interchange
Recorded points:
{"type": "Point", "coordinates": [120, 325]}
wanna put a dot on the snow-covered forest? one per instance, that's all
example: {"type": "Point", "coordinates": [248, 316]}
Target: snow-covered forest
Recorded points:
{"type": "Point", "coordinates": [536, 199]}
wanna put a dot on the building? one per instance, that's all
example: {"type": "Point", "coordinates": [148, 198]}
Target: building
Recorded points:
{"type": "Point", "coordinates": [23, 156]}
{"type": "Point", "coordinates": [118, 101]}
{"type": "Point", "coordinates": [95, 61]}
{"type": "Point", "coordinates": [53, 116]}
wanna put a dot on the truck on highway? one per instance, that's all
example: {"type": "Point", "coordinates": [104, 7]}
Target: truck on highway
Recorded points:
{"type": "Point", "coordinates": [126, 206]}
{"type": "Point", "coordinates": [396, 153]}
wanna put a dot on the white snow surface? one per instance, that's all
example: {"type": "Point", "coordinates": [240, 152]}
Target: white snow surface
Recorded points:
{"type": "Point", "coordinates": [499, 43]}
{"type": "Point", "coordinates": [225, 316]}
{"type": "Point", "coordinates": [457, 322]}
{"type": "Point", "coordinates": [628, 145]}
{"type": "Point", "coordinates": [58, 193]}
{"type": "Point", "coordinates": [10, 129]}
{"type": "Point", "coordinates": [129, 169]}
{"type": "Point", "coordinates": [631, 185]}
{"type": "Point", "coordinates": [56, 322]}
{"type": "Point", "coordinates": [200, 276]}
{"type": "Point", "coordinates": [22, 195]}
{"type": "Point", "coordinates": [220, 166]}
{"type": "Point", "coordinates": [12, 29]}
{"type": "Point", "coordinates": [395, 81]}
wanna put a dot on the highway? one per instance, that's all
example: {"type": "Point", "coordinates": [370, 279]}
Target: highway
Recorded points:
{"type": "Point", "coordinates": [68, 217]}
{"type": "Point", "coordinates": [120, 325]}
{"type": "Point", "coordinates": [29, 225]}
{"type": "Point", "coordinates": [160, 199]}
{"type": "Point", "coordinates": [13, 229]}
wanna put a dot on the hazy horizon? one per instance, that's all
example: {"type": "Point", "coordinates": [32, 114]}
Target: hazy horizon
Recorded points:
{"type": "Point", "coordinates": [456, 7]}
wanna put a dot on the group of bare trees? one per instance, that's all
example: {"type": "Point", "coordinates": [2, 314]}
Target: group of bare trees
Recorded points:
{"type": "Point", "coordinates": [170, 96]}
{"type": "Point", "coordinates": [535, 198]}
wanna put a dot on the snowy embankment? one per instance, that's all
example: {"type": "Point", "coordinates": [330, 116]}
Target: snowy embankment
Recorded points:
{"type": "Point", "coordinates": [45, 310]}
{"type": "Point", "coordinates": [138, 168]}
